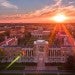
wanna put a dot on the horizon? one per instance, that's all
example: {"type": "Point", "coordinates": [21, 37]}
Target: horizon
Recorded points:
{"type": "Point", "coordinates": [37, 37]}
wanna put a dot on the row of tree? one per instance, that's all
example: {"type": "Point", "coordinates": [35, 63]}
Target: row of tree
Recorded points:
{"type": "Point", "coordinates": [70, 64]}
{"type": "Point", "coordinates": [23, 40]}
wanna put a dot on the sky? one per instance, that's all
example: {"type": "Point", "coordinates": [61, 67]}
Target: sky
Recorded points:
{"type": "Point", "coordinates": [35, 10]}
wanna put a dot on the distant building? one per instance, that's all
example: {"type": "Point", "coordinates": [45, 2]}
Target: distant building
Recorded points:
{"type": "Point", "coordinates": [19, 32]}
{"type": "Point", "coordinates": [40, 33]}
{"type": "Point", "coordinates": [9, 42]}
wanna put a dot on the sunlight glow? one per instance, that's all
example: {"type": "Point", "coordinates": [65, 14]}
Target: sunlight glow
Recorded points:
{"type": "Point", "coordinates": [59, 18]}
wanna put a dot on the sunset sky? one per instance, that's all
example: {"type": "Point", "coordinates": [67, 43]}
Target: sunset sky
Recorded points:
{"type": "Point", "coordinates": [41, 11]}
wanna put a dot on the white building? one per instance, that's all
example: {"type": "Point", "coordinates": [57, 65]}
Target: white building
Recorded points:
{"type": "Point", "coordinates": [40, 33]}
{"type": "Point", "coordinates": [40, 51]}
{"type": "Point", "coordinates": [9, 42]}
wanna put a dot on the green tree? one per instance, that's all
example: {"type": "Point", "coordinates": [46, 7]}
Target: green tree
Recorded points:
{"type": "Point", "coordinates": [25, 39]}
{"type": "Point", "coordinates": [70, 64]}
{"type": "Point", "coordinates": [2, 54]}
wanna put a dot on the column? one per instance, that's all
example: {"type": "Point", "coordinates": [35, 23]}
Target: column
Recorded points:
{"type": "Point", "coordinates": [27, 53]}
{"type": "Point", "coordinates": [31, 53]}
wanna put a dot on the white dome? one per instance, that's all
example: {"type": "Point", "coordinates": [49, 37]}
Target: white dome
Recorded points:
{"type": "Point", "coordinates": [40, 41]}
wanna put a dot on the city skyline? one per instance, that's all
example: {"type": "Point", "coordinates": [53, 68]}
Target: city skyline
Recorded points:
{"type": "Point", "coordinates": [37, 37]}
{"type": "Point", "coordinates": [41, 11]}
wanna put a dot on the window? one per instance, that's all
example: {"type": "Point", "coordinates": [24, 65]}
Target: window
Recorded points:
{"type": "Point", "coordinates": [41, 48]}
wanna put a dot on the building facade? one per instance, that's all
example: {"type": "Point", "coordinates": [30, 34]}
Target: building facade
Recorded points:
{"type": "Point", "coordinates": [41, 50]}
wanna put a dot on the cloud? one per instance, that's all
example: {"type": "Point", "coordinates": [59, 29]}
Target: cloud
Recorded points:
{"type": "Point", "coordinates": [58, 2]}
{"type": "Point", "coordinates": [71, 2]}
{"type": "Point", "coordinates": [42, 14]}
{"type": "Point", "coordinates": [7, 4]}
{"type": "Point", "coordinates": [58, 7]}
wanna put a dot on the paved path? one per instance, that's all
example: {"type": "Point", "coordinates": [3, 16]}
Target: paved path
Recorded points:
{"type": "Point", "coordinates": [41, 64]}
{"type": "Point", "coordinates": [34, 71]}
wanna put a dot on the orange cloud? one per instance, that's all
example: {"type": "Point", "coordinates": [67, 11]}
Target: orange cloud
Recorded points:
{"type": "Point", "coordinates": [43, 14]}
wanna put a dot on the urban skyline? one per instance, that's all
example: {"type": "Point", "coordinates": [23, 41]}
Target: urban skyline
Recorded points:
{"type": "Point", "coordinates": [37, 37]}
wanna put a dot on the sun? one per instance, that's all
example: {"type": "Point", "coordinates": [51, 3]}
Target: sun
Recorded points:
{"type": "Point", "coordinates": [59, 18]}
